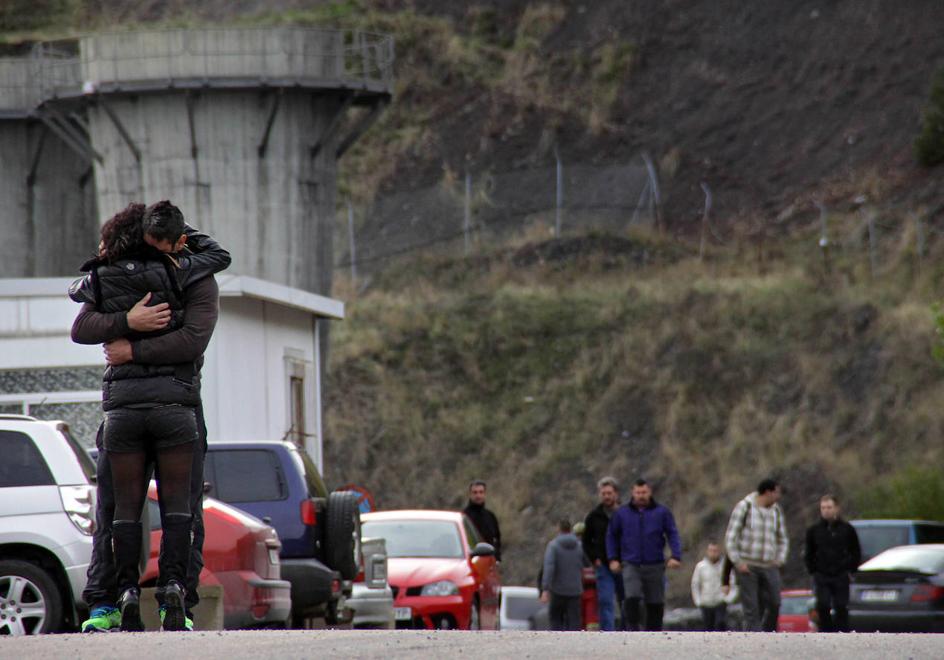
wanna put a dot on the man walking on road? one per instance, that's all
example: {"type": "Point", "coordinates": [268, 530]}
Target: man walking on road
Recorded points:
{"type": "Point", "coordinates": [562, 579]}
{"type": "Point", "coordinates": [635, 543]}
{"type": "Point", "coordinates": [707, 591]}
{"type": "Point", "coordinates": [757, 544]}
{"type": "Point", "coordinates": [594, 546]}
{"type": "Point", "coordinates": [483, 519]}
{"type": "Point", "coordinates": [832, 553]}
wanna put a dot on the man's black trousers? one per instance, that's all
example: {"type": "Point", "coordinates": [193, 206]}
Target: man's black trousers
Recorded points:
{"type": "Point", "coordinates": [564, 612]}
{"type": "Point", "coordinates": [102, 587]}
{"type": "Point", "coordinates": [832, 593]}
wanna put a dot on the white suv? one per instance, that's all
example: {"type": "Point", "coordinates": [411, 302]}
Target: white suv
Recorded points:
{"type": "Point", "coordinates": [47, 516]}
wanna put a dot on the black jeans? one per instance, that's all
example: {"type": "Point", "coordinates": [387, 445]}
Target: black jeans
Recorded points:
{"type": "Point", "coordinates": [564, 612]}
{"type": "Point", "coordinates": [715, 618]}
{"type": "Point", "coordinates": [832, 593]}
{"type": "Point", "coordinates": [102, 587]}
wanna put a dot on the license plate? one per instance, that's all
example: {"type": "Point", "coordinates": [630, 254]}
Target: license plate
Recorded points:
{"type": "Point", "coordinates": [880, 595]}
{"type": "Point", "coordinates": [402, 613]}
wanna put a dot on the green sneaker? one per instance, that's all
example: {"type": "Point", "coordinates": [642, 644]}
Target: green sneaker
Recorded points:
{"type": "Point", "coordinates": [102, 619]}
{"type": "Point", "coordinates": [188, 622]}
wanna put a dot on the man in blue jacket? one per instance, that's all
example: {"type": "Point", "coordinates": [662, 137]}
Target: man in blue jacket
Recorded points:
{"type": "Point", "coordinates": [635, 544]}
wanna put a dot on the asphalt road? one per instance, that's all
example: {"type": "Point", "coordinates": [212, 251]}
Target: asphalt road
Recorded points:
{"type": "Point", "coordinates": [232, 645]}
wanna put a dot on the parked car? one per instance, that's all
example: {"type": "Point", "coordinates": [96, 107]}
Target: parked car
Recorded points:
{"type": "Point", "coordinates": [47, 516]}
{"type": "Point", "coordinates": [320, 532]}
{"type": "Point", "coordinates": [518, 606]}
{"type": "Point", "coordinates": [441, 573]}
{"type": "Point", "coordinates": [371, 598]}
{"type": "Point", "coordinates": [876, 536]}
{"type": "Point", "coordinates": [900, 590]}
{"type": "Point", "coordinates": [797, 611]}
{"type": "Point", "coordinates": [241, 554]}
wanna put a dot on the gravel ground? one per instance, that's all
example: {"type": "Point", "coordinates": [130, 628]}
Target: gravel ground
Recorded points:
{"type": "Point", "coordinates": [411, 644]}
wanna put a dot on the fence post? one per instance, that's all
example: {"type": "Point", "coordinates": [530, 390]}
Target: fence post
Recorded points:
{"type": "Point", "coordinates": [467, 210]}
{"type": "Point", "coordinates": [704, 221]}
{"type": "Point", "coordinates": [350, 238]}
{"type": "Point", "coordinates": [559, 202]}
{"type": "Point", "coordinates": [656, 199]}
{"type": "Point", "coordinates": [823, 234]}
{"type": "Point", "coordinates": [873, 254]}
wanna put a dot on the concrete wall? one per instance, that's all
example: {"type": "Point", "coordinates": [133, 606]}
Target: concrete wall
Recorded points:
{"type": "Point", "coordinates": [49, 227]}
{"type": "Point", "coordinates": [274, 213]}
{"type": "Point", "coordinates": [246, 375]}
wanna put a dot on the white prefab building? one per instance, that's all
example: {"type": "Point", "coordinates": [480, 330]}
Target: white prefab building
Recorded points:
{"type": "Point", "coordinates": [261, 379]}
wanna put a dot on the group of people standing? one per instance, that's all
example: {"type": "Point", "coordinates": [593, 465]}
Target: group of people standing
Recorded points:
{"type": "Point", "coordinates": [626, 545]}
{"type": "Point", "coordinates": [149, 297]}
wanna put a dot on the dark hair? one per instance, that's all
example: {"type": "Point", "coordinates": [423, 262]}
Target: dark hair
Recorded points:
{"type": "Point", "coordinates": [767, 485]}
{"type": "Point", "coordinates": [564, 525]}
{"type": "Point", "coordinates": [122, 232]}
{"type": "Point", "coordinates": [164, 221]}
{"type": "Point", "coordinates": [640, 482]}
{"type": "Point", "coordinates": [477, 482]}
{"type": "Point", "coordinates": [830, 496]}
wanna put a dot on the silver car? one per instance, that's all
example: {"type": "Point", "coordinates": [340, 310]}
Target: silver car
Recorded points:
{"type": "Point", "coordinates": [372, 599]}
{"type": "Point", "coordinates": [47, 516]}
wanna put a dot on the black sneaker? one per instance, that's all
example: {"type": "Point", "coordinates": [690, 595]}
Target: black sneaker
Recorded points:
{"type": "Point", "coordinates": [174, 616]}
{"type": "Point", "coordinates": [130, 606]}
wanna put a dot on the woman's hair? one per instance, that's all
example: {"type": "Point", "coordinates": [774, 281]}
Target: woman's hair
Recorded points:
{"type": "Point", "coordinates": [123, 232]}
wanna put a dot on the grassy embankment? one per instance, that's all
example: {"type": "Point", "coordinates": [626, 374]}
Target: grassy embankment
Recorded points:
{"type": "Point", "coordinates": [544, 366]}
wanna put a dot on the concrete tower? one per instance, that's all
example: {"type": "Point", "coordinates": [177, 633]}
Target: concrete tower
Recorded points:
{"type": "Point", "coordinates": [241, 128]}
{"type": "Point", "coordinates": [47, 196]}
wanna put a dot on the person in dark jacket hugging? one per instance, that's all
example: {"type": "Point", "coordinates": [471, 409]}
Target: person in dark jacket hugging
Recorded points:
{"type": "Point", "coordinates": [150, 410]}
{"type": "Point", "coordinates": [832, 554]}
{"type": "Point", "coordinates": [635, 544]}
{"type": "Point", "coordinates": [562, 579]}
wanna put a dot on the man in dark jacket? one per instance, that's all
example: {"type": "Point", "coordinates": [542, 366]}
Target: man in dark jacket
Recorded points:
{"type": "Point", "coordinates": [635, 543]}
{"type": "Point", "coordinates": [483, 519]}
{"type": "Point", "coordinates": [562, 579]}
{"type": "Point", "coordinates": [832, 553]}
{"type": "Point", "coordinates": [594, 546]}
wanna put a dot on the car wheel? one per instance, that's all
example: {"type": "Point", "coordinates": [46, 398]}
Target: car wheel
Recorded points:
{"type": "Point", "coordinates": [30, 603]}
{"type": "Point", "coordinates": [343, 532]}
{"type": "Point", "coordinates": [474, 622]}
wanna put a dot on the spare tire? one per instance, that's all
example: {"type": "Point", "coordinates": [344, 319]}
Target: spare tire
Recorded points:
{"type": "Point", "coordinates": [343, 534]}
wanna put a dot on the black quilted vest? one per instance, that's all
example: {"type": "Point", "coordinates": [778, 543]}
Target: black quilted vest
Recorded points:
{"type": "Point", "coordinates": [118, 287]}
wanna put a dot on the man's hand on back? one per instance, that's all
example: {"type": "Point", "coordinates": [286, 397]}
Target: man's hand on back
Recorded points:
{"type": "Point", "coordinates": [146, 319]}
{"type": "Point", "coordinates": [118, 352]}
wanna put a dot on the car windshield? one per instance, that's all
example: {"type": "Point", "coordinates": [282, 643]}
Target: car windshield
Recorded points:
{"type": "Point", "coordinates": [916, 558]}
{"type": "Point", "coordinates": [795, 605]}
{"type": "Point", "coordinates": [874, 540]}
{"type": "Point", "coordinates": [416, 538]}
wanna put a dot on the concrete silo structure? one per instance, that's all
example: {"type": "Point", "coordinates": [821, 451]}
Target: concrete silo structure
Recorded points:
{"type": "Point", "coordinates": [47, 195]}
{"type": "Point", "coordinates": [241, 128]}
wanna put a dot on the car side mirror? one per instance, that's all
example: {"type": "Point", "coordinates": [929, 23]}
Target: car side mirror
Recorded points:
{"type": "Point", "coordinates": [483, 550]}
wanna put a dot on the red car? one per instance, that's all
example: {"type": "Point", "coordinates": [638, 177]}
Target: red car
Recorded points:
{"type": "Point", "coordinates": [240, 553]}
{"type": "Point", "coordinates": [797, 611]}
{"type": "Point", "coordinates": [441, 573]}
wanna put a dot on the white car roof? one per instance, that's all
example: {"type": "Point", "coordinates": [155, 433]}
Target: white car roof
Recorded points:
{"type": "Point", "coordinates": [55, 449]}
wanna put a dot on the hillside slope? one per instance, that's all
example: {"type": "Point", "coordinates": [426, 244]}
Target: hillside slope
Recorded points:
{"type": "Point", "coordinates": [543, 367]}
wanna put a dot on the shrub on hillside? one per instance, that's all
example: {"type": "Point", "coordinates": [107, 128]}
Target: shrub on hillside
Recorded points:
{"type": "Point", "coordinates": [915, 492]}
{"type": "Point", "coordinates": [16, 15]}
{"type": "Point", "coordinates": [929, 147]}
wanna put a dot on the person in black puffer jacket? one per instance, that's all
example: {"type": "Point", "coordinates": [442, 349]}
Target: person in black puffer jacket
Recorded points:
{"type": "Point", "coordinates": [149, 409]}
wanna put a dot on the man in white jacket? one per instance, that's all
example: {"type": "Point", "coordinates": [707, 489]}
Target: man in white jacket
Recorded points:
{"type": "Point", "coordinates": [706, 589]}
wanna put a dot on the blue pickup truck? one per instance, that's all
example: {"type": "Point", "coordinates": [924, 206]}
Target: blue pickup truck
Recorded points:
{"type": "Point", "coordinates": [320, 531]}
